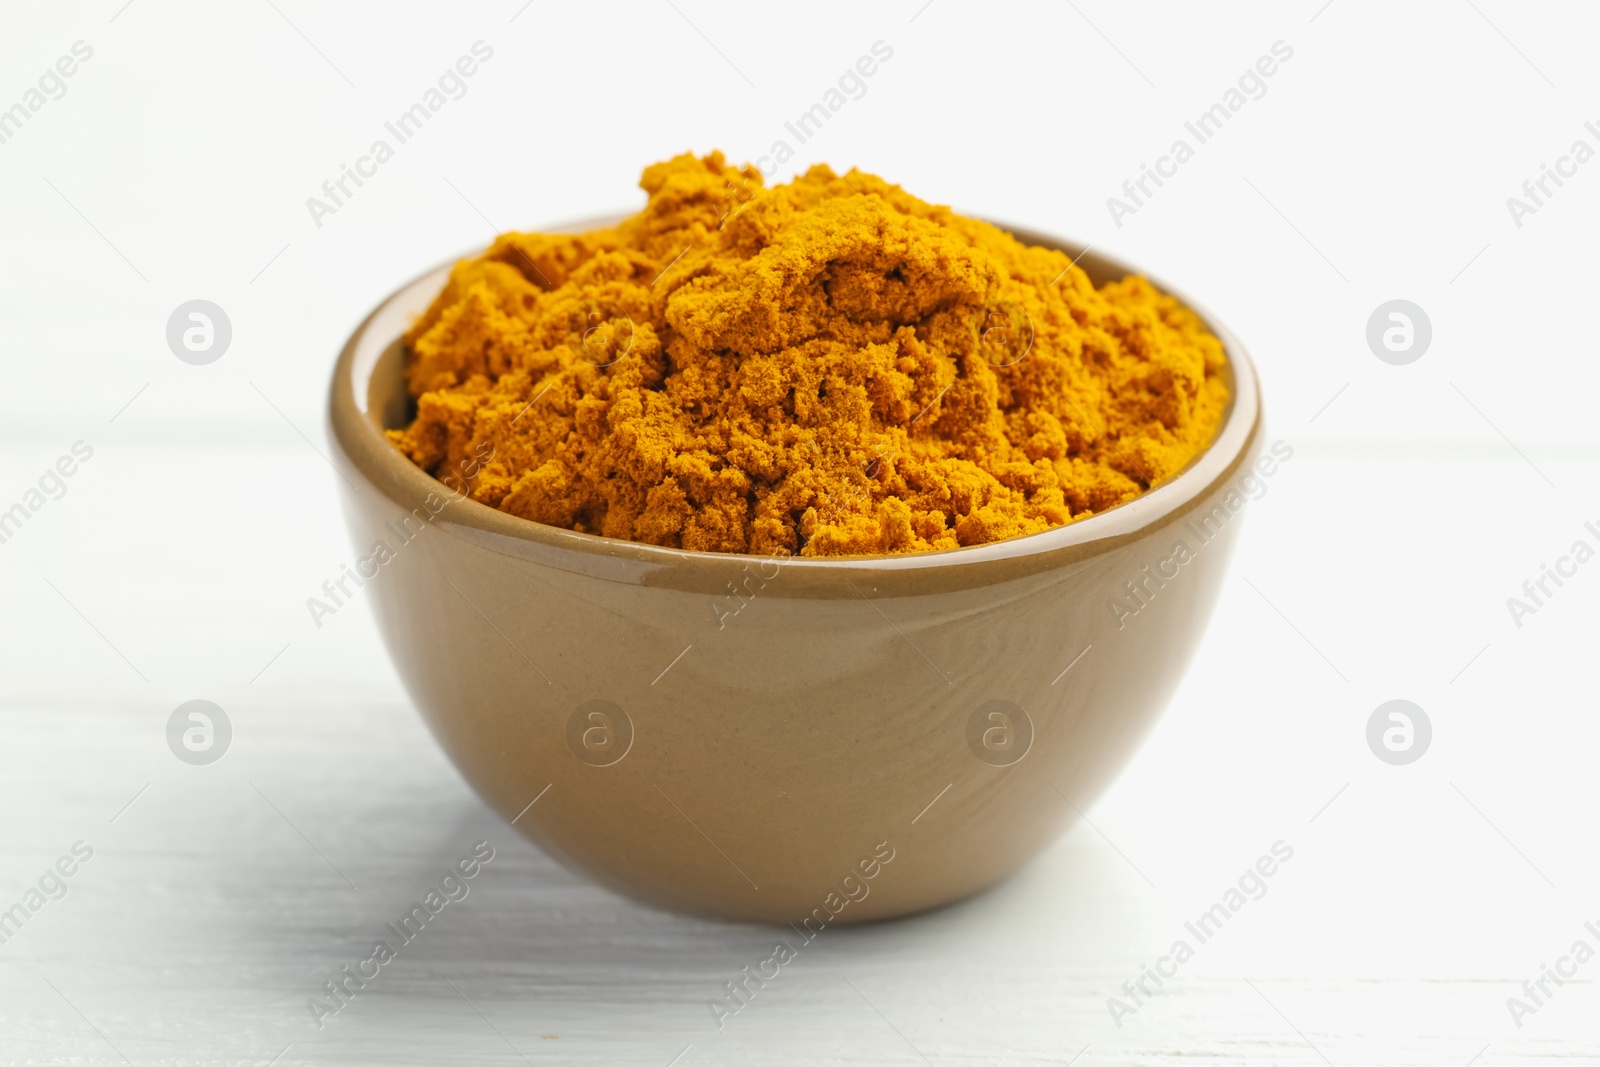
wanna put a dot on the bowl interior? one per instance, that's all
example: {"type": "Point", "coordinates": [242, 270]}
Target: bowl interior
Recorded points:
{"type": "Point", "coordinates": [370, 396]}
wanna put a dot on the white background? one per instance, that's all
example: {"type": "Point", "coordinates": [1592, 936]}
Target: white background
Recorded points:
{"type": "Point", "coordinates": [1377, 166]}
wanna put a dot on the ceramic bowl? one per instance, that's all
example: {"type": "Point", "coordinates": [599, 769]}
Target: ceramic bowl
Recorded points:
{"type": "Point", "coordinates": [811, 741]}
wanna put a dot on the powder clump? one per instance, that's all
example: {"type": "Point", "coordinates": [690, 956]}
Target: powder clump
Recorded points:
{"type": "Point", "coordinates": [827, 367]}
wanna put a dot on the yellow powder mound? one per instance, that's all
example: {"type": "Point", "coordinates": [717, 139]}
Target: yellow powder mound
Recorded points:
{"type": "Point", "coordinates": [828, 367]}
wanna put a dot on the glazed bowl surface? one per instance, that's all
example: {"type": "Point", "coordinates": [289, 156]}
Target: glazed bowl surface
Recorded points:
{"type": "Point", "coordinates": [809, 741]}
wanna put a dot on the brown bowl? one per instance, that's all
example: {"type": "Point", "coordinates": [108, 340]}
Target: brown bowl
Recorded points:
{"type": "Point", "coordinates": [805, 740]}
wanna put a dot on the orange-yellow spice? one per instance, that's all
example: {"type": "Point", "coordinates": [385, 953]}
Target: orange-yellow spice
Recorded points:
{"type": "Point", "coordinates": [827, 367]}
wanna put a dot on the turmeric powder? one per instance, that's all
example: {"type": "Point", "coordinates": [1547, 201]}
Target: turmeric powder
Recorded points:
{"type": "Point", "coordinates": [826, 367]}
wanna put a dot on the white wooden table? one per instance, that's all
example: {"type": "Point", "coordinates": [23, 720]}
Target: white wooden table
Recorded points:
{"type": "Point", "coordinates": [220, 898]}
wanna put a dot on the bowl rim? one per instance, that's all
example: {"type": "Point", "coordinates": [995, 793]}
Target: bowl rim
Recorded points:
{"type": "Point", "coordinates": [361, 448]}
